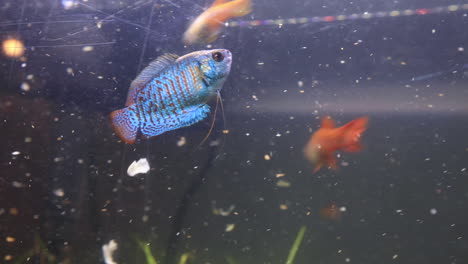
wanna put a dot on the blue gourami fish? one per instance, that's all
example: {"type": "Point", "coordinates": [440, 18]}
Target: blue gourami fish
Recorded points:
{"type": "Point", "coordinates": [172, 92]}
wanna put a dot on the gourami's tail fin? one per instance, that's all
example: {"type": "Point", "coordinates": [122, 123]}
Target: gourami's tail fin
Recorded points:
{"type": "Point", "coordinates": [352, 133]}
{"type": "Point", "coordinates": [125, 122]}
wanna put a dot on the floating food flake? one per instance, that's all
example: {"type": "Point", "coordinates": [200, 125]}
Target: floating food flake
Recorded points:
{"type": "Point", "coordinates": [283, 207]}
{"type": "Point", "coordinates": [433, 211]}
{"type": "Point", "coordinates": [229, 227]}
{"type": "Point", "coordinates": [283, 184]}
{"type": "Point", "coordinates": [140, 166]}
{"type": "Point", "coordinates": [10, 239]}
{"type": "Point", "coordinates": [182, 141]}
{"type": "Point", "coordinates": [59, 192]}
{"type": "Point", "coordinates": [226, 131]}
{"type": "Point", "coordinates": [267, 157]}
{"type": "Point", "coordinates": [88, 48]}
{"type": "Point", "coordinates": [25, 87]}
{"type": "Point", "coordinates": [13, 211]}
{"type": "Point", "coordinates": [279, 175]}
{"type": "Point", "coordinates": [8, 257]}
{"type": "Point", "coordinates": [13, 48]}
{"type": "Point", "coordinates": [107, 251]}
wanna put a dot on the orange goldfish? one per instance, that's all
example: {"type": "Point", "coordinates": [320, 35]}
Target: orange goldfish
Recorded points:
{"type": "Point", "coordinates": [206, 27]}
{"type": "Point", "coordinates": [328, 139]}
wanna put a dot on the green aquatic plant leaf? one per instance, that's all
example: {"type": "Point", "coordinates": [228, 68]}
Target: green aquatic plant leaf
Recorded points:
{"type": "Point", "coordinates": [147, 250]}
{"type": "Point", "coordinates": [296, 245]}
{"type": "Point", "coordinates": [230, 260]}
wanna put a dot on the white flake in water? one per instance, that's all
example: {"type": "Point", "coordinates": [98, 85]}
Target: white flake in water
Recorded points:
{"type": "Point", "coordinates": [15, 153]}
{"type": "Point", "coordinates": [343, 209]}
{"type": "Point", "coordinates": [59, 192]}
{"type": "Point", "coordinates": [230, 227]}
{"type": "Point", "coordinates": [107, 251]}
{"type": "Point", "coordinates": [88, 48]}
{"type": "Point", "coordinates": [433, 211]}
{"type": "Point", "coordinates": [461, 49]}
{"type": "Point", "coordinates": [300, 83]}
{"type": "Point", "coordinates": [25, 87]}
{"type": "Point", "coordinates": [140, 166]}
{"type": "Point", "coordinates": [181, 142]}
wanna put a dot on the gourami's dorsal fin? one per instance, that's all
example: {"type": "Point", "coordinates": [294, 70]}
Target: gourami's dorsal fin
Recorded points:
{"type": "Point", "coordinates": [218, 2]}
{"type": "Point", "coordinates": [147, 74]}
{"type": "Point", "coordinates": [327, 122]}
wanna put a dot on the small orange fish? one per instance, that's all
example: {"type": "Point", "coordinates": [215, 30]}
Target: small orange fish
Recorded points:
{"type": "Point", "coordinates": [206, 27]}
{"type": "Point", "coordinates": [328, 139]}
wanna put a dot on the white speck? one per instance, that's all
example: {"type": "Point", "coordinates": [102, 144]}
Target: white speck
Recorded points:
{"type": "Point", "coordinates": [255, 97]}
{"type": "Point", "coordinates": [343, 209]}
{"type": "Point", "coordinates": [461, 49]}
{"type": "Point", "coordinates": [107, 251]}
{"type": "Point", "coordinates": [260, 63]}
{"type": "Point", "coordinates": [29, 77]}
{"type": "Point", "coordinates": [59, 192]}
{"type": "Point", "coordinates": [433, 211]}
{"type": "Point", "coordinates": [278, 134]}
{"type": "Point", "coordinates": [70, 71]}
{"type": "Point", "coordinates": [462, 170]}
{"type": "Point", "coordinates": [230, 227]}
{"type": "Point", "coordinates": [27, 140]}
{"type": "Point", "coordinates": [347, 259]}
{"type": "Point", "coordinates": [247, 134]}
{"type": "Point", "coordinates": [342, 61]}
{"type": "Point", "coordinates": [15, 153]}
{"type": "Point", "coordinates": [399, 211]}
{"type": "Point", "coordinates": [209, 46]}
{"type": "Point", "coordinates": [181, 142]}
{"type": "Point", "coordinates": [25, 86]}
{"type": "Point", "coordinates": [433, 31]}
{"type": "Point", "coordinates": [140, 166]}
{"type": "Point", "coordinates": [68, 4]}
{"type": "Point", "coordinates": [17, 184]}
{"type": "Point", "coordinates": [300, 83]}
{"type": "Point", "coordinates": [100, 77]}
{"type": "Point", "coordinates": [88, 48]}
{"type": "Point", "coordinates": [395, 256]}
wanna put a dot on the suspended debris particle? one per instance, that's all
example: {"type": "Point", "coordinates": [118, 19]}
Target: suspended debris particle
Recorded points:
{"type": "Point", "coordinates": [29, 77]}
{"type": "Point", "coordinates": [223, 212]}
{"type": "Point", "coordinates": [225, 131]}
{"type": "Point", "coordinates": [300, 83]}
{"type": "Point", "coordinates": [88, 48]}
{"type": "Point", "coordinates": [308, 213]}
{"type": "Point", "coordinates": [27, 140]}
{"type": "Point", "coordinates": [59, 192]}
{"type": "Point", "coordinates": [395, 256]}
{"type": "Point", "coordinates": [283, 207]}
{"type": "Point", "coordinates": [260, 63]}
{"type": "Point", "coordinates": [69, 4]}
{"type": "Point", "coordinates": [17, 184]}
{"type": "Point", "coordinates": [8, 257]}
{"type": "Point", "coordinates": [255, 97]}
{"type": "Point", "coordinates": [347, 259]}
{"type": "Point", "coordinates": [2, 211]}
{"type": "Point", "coordinates": [283, 184]}
{"type": "Point", "coordinates": [267, 157]}
{"type": "Point", "coordinates": [182, 141]}
{"type": "Point", "coordinates": [25, 87]}
{"type": "Point", "coordinates": [10, 239]}
{"type": "Point", "coordinates": [433, 211]}
{"type": "Point", "coordinates": [145, 218]}
{"type": "Point", "coordinates": [15, 153]}
{"type": "Point", "coordinates": [13, 211]}
{"type": "Point", "coordinates": [140, 166]}
{"type": "Point", "coordinates": [229, 227]}
{"type": "Point", "coordinates": [279, 175]}
{"type": "Point", "coordinates": [100, 77]}
{"type": "Point", "coordinates": [461, 49]}
{"type": "Point", "coordinates": [108, 250]}
{"type": "Point", "coordinates": [13, 48]}
{"type": "Point", "coordinates": [70, 71]}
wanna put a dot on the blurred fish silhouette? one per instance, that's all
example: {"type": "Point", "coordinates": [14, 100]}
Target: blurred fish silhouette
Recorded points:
{"type": "Point", "coordinates": [206, 27]}
{"type": "Point", "coordinates": [171, 93]}
{"type": "Point", "coordinates": [328, 139]}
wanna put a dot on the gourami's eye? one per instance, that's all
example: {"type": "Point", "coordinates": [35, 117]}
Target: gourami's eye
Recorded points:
{"type": "Point", "coordinates": [218, 56]}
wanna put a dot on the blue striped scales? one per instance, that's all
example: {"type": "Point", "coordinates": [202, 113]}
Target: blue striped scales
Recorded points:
{"type": "Point", "coordinates": [171, 92]}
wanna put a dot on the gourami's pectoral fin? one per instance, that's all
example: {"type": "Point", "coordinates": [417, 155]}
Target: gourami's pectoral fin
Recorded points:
{"type": "Point", "coordinates": [147, 74]}
{"type": "Point", "coordinates": [186, 117]}
{"type": "Point", "coordinates": [126, 123]}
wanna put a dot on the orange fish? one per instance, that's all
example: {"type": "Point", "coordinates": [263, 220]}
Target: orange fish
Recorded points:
{"type": "Point", "coordinates": [206, 27]}
{"type": "Point", "coordinates": [328, 139]}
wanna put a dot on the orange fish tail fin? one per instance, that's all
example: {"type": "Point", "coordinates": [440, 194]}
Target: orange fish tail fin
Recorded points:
{"type": "Point", "coordinates": [244, 8]}
{"type": "Point", "coordinates": [125, 123]}
{"type": "Point", "coordinates": [352, 133]}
